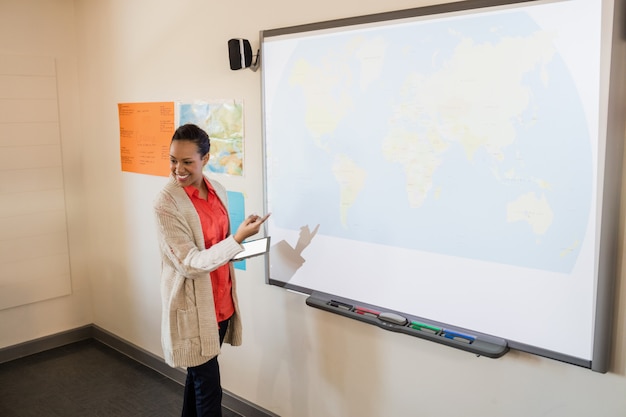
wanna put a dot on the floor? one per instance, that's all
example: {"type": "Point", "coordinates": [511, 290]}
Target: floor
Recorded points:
{"type": "Point", "coordinates": [84, 379]}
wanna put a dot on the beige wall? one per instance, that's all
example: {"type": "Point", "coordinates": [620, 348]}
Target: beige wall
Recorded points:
{"type": "Point", "coordinates": [47, 29]}
{"type": "Point", "coordinates": [296, 361]}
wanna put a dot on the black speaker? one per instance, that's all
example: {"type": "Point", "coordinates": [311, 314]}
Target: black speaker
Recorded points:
{"type": "Point", "coordinates": [240, 53]}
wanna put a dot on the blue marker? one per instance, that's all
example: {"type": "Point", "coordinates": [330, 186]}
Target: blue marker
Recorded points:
{"type": "Point", "coordinates": [459, 337]}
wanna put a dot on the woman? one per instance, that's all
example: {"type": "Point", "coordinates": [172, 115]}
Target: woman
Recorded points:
{"type": "Point", "coordinates": [198, 287]}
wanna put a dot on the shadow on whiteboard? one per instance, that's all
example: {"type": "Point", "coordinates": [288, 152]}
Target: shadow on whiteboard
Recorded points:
{"type": "Point", "coordinates": [285, 259]}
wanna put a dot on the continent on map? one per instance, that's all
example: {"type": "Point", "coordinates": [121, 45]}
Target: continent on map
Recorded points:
{"type": "Point", "coordinates": [418, 155]}
{"type": "Point", "coordinates": [532, 210]}
{"type": "Point", "coordinates": [325, 108]}
{"type": "Point", "coordinates": [351, 179]}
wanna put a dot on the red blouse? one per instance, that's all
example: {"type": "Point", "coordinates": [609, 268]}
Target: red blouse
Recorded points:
{"type": "Point", "coordinates": [214, 221]}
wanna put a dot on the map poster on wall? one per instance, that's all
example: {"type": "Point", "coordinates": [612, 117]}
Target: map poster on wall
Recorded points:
{"type": "Point", "coordinates": [145, 133]}
{"type": "Point", "coordinates": [223, 121]}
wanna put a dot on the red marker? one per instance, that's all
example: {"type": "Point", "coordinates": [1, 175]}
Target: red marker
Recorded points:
{"type": "Point", "coordinates": [366, 311]}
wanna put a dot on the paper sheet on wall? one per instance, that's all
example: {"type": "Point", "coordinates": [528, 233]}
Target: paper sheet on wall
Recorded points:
{"type": "Point", "coordinates": [145, 133]}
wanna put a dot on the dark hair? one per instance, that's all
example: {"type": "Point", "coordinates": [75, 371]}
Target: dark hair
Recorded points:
{"type": "Point", "coordinates": [193, 134]}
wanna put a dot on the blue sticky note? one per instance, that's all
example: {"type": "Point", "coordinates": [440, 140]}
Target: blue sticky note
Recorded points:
{"type": "Point", "coordinates": [236, 213]}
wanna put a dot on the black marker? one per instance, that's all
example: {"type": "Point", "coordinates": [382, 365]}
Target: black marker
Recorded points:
{"type": "Point", "coordinates": [339, 304]}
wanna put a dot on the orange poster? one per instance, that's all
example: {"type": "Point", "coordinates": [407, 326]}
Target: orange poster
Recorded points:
{"type": "Point", "coordinates": [146, 130]}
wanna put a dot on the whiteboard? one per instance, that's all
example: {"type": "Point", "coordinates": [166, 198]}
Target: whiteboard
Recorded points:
{"type": "Point", "coordinates": [450, 162]}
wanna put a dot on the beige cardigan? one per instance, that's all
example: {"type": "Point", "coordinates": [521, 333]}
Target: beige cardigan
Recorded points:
{"type": "Point", "coordinates": [189, 333]}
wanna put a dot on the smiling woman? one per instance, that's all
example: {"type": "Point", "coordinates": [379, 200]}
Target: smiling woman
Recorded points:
{"type": "Point", "coordinates": [198, 287]}
{"type": "Point", "coordinates": [187, 163]}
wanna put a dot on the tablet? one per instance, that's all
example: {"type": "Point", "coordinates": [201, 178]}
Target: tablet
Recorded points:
{"type": "Point", "coordinates": [253, 248]}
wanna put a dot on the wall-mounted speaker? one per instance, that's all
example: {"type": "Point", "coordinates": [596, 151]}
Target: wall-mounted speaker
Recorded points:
{"type": "Point", "coordinates": [240, 55]}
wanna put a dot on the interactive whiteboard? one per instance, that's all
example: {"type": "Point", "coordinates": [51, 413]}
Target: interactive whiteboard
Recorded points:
{"type": "Point", "coordinates": [450, 162]}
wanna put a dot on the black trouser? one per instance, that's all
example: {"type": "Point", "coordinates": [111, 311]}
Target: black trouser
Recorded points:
{"type": "Point", "coordinates": [203, 390]}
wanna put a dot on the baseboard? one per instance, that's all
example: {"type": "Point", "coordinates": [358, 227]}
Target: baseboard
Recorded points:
{"type": "Point", "coordinates": [140, 355]}
{"type": "Point", "coordinates": [230, 400]}
{"type": "Point", "coordinates": [45, 343]}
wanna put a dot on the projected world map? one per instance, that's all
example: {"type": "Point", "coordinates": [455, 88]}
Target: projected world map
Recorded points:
{"type": "Point", "coordinates": [465, 137]}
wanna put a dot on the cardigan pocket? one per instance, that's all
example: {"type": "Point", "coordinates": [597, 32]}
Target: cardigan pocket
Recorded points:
{"type": "Point", "coordinates": [187, 321]}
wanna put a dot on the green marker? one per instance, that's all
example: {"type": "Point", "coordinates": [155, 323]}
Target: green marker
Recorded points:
{"type": "Point", "coordinates": [425, 327]}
